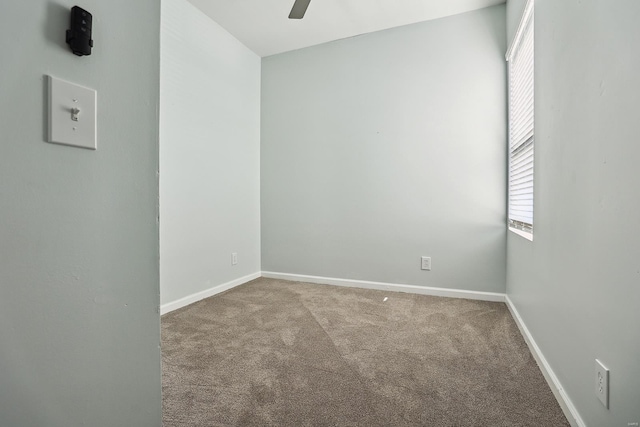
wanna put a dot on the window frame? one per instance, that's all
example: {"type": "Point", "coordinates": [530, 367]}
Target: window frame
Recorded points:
{"type": "Point", "coordinates": [521, 121]}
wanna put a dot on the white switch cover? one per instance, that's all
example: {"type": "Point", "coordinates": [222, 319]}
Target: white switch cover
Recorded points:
{"type": "Point", "coordinates": [72, 114]}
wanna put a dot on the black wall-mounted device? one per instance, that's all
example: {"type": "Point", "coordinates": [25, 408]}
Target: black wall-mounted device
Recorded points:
{"type": "Point", "coordinates": [79, 36]}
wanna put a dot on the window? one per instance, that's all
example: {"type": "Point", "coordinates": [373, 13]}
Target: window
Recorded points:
{"type": "Point", "coordinates": [520, 59]}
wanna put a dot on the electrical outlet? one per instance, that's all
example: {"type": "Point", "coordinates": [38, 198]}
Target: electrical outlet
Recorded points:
{"type": "Point", "coordinates": [234, 258]}
{"type": "Point", "coordinates": [426, 263]}
{"type": "Point", "coordinates": [602, 383]}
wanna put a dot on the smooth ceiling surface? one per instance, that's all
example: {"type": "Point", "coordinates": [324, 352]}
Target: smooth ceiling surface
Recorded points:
{"type": "Point", "coordinates": [264, 27]}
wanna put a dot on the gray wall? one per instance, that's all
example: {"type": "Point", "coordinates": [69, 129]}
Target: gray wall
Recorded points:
{"type": "Point", "coordinates": [79, 294]}
{"type": "Point", "coordinates": [381, 148]}
{"type": "Point", "coordinates": [209, 154]}
{"type": "Point", "coordinates": [577, 284]}
{"type": "Point", "coordinates": [515, 10]}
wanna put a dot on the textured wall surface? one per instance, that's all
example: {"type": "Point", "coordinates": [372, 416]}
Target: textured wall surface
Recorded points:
{"type": "Point", "coordinates": [381, 148]}
{"type": "Point", "coordinates": [79, 293]}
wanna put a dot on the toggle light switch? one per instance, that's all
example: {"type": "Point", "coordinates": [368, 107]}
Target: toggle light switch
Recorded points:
{"type": "Point", "coordinates": [72, 114]}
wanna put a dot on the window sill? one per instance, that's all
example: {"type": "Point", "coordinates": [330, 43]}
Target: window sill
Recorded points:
{"type": "Point", "coordinates": [525, 234]}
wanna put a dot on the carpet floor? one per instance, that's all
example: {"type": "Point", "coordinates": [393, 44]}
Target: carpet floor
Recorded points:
{"type": "Point", "coordinates": [280, 353]}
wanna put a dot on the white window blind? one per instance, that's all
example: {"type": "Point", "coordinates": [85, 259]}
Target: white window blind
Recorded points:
{"type": "Point", "coordinates": [521, 137]}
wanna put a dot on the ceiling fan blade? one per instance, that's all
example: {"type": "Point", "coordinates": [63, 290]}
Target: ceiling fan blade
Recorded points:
{"type": "Point", "coordinates": [298, 9]}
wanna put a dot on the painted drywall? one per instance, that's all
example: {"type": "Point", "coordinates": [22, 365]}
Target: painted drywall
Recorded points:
{"type": "Point", "coordinates": [382, 148]}
{"type": "Point", "coordinates": [515, 10]}
{"type": "Point", "coordinates": [79, 293]}
{"type": "Point", "coordinates": [209, 154]}
{"type": "Point", "coordinates": [576, 285]}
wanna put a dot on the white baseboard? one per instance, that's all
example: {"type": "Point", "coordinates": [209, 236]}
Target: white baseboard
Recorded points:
{"type": "Point", "coordinates": [190, 299]}
{"type": "Point", "coordinates": [392, 287]}
{"type": "Point", "coordinates": [567, 406]}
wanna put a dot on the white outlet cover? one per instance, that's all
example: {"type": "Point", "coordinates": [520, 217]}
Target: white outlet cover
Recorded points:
{"type": "Point", "coordinates": [62, 129]}
{"type": "Point", "coordinates": [602, 383]}
{"type": "Point", "coordinates": [426, 263]}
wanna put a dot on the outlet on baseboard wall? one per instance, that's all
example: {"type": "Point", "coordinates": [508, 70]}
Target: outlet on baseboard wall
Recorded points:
{"type": "Point", "coordinates": [234, 258]}
{"type": "Point", "coordinates": [602, 383]}
{"type": "Point", "coordinates": [426, 263]}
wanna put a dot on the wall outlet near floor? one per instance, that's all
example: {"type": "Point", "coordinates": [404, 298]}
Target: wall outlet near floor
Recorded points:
{"type": "Point", "coordinates": [426, 263]}
{"type": "Point", "coordinates": [234, 258]}
{"type": "Point", "coordinates": [602, 383]}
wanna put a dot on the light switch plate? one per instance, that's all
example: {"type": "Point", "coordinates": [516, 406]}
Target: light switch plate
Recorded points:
{"type": "Point", "coordinates": [65, 127]}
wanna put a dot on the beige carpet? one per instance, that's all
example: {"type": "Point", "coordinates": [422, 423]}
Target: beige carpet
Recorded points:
{"type": "Point", "coordinates": [278, 353]}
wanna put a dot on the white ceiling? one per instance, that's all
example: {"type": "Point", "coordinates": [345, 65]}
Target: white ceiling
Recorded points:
{"type": "Point", "coordinates": [264, 27]}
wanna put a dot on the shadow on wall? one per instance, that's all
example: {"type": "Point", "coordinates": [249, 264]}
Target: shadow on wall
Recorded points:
{"type": "Point", "coordinates": [57, 14]}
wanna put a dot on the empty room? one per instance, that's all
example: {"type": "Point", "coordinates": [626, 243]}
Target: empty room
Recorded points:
{"type": "Point", "coordinates": [314, 213]}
